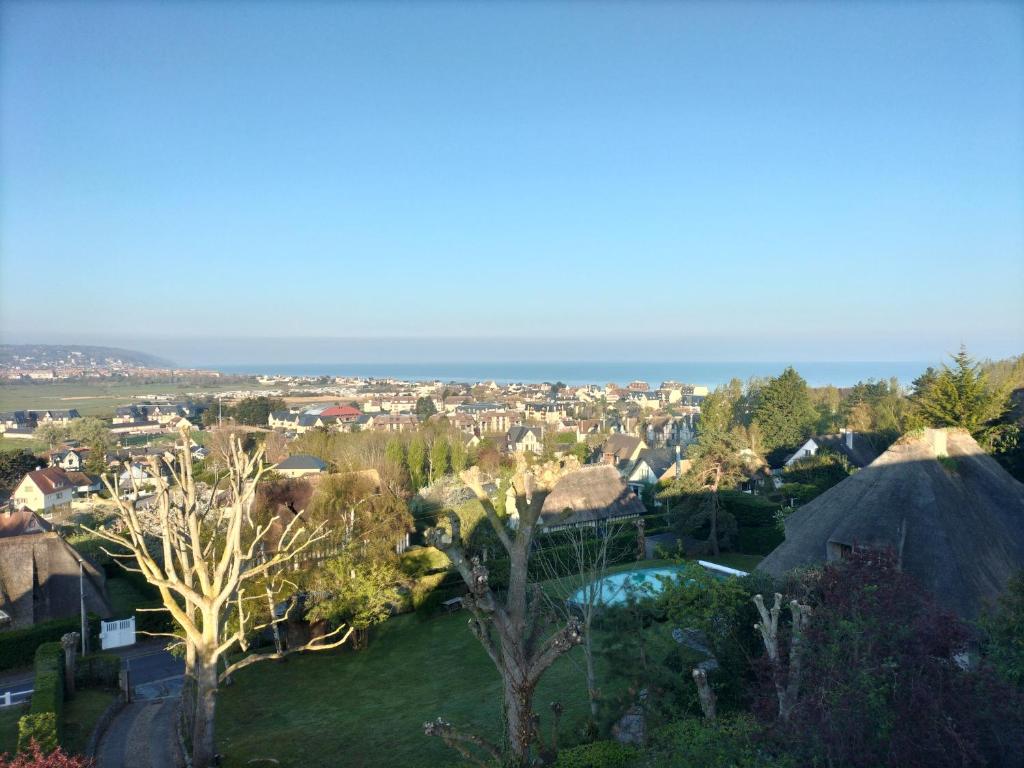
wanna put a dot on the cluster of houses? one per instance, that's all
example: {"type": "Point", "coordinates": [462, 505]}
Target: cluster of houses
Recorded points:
{"type": "Point", "coordinates": [156, 418]}
{"type": "Point", "coordinates": [22, 424]}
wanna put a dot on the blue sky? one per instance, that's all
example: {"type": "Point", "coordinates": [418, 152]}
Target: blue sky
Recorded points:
{"type": "Point", "coordinates": [701, 181]}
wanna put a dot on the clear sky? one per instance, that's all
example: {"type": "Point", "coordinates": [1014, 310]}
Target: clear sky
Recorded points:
{"type": "Point", "coordinates": [720, 180]}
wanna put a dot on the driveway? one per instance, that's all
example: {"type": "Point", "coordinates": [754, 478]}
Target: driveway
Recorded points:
{"type": "Point", "coordinates": [141, 736]}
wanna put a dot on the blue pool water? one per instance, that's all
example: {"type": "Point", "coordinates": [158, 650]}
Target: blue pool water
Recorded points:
{"type": "Point", "coordinates": [618, 587]}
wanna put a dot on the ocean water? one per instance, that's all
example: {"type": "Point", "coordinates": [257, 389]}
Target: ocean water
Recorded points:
{"type": "Point", "coordinates": [817, 373]}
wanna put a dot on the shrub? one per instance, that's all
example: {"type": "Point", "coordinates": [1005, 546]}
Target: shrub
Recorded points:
{"type": "Point", "coordinates": [18, 647]}
{"type": "Point", "coordinates": [39, 730]}
{"type": "Point", "coordinates": [600, 754]}
{"type": "Point", "coordinates": [730, 742]}
{"type": "Point", "coordinates": [98, 670]}
{"type": "Point", "coordinates": [37, 757]}
{"type": "Point", "coordinates": [428, 593]}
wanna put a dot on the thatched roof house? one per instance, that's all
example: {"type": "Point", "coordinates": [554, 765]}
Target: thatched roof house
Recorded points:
{"type": "Point", "coordinates": [39, 577]}
{"type": "Point", "coordinates": [954, 517]}
{"type": "Point", "coordinates": [588, 495]}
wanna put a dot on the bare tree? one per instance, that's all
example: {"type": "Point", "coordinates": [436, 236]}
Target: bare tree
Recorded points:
{"type": "Point", "coordinates": [512, 630]}
{"type": "Point", "coordinates": [206, 551]}
{"type": "Point", "coordinates": [580, 559]}
{"type": "Point", "coordinates": [787, 684]}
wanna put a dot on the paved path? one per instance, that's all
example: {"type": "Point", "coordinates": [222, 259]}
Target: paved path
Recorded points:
{"type": "Point", "coordinates": [141, 736]}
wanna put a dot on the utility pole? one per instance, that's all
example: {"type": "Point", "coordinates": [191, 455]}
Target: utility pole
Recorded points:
{"type": "Point", "coordinates": [81, 601]}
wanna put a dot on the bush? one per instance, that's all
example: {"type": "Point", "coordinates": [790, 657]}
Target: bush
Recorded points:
{"type": "Point", "coordinates": [41, 729]}
{"type": "Point", "coordinates": [430, 591]}
{"type": "Point", "coordinates": [98, 670]}
{"type": "Point", "coordinates": [36, 757]}
{"type": "Point", "coordinates": [600, 754]}
{"type": "Point", "coordinates": [42, 723]}
{"type": "Point", "coordinates": [730, 742]}
{"type": "Point", "coordinates": [18, 647]}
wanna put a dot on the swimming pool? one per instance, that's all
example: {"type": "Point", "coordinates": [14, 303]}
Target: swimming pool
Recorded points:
{"type": "Point", "coordinates": [643, 582]}
{"type": "Point", "coordinates": [617, 588]}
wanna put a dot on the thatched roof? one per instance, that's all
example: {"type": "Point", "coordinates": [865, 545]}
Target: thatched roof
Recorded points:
{"type": "Point", "coordinates": [953, 515]}
{"type": "Point", "coordinates": [595, 492]}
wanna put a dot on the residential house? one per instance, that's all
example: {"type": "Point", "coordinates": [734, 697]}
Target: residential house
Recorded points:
{"type": "Point", "coordinates": [84, 483]}
{"type": "Point", "coordinates": [394, 422]}
{"type": "Point", "coordinates": [301, 465]}
{"type": "Point", "coordinates": [857, 448]}
{"type": "Point", "coordinates": [523, 439]}
{"type": "Point", "coordinates": [44, 490]}
{"type": "Point", "coordinates": [953, 517]}
{"type": "Point", "coordinates": [69, 459]}
{"type": "Point", "coordinates": [41, 576]}
{"type": "Point", "coordinates": [622, 451]}
{"type": "Point", "coordinates": [653, 466]}
{"type": "Point", "coordinates": [592, 496]}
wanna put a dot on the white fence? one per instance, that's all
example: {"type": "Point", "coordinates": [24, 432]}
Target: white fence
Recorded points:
{"type": "Point", "coordinates": [10, 698]}
{"type": "Point", "coordinates": [114, 634]}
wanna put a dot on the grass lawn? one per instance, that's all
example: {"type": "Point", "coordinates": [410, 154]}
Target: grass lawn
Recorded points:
{"type": "Point", "coordinates": [367, 709]}
{"type": "Point", "coordinates": [9, 728]}
{"type": "Point", "coordinates": [124, 598]}
{"type": "Point", "coordinates": [80, 716]}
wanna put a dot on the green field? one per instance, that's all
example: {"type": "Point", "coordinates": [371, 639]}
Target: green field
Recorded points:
{"type": "Point", "coordinates": [97, 398]}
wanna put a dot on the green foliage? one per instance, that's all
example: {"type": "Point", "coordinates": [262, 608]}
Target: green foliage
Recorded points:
{"type": "Point", "coordinates": [416, 459]}
{"type": "Point", "coordinates": [425, 408]}
{"type": "Point", "coordinates": [44, 719]}
{"type": "Point", "coordinates": [959, 396]}
{"type": "Point", "coordinates": [438, 458]}
{"type": "Point", "coordinates": [97, 670]}
{"type": "Point", "coordinates": [420, 561]}
{"type": "Point", "coordinates": [1003, 631]}
{"type": "Point", "coordinates": [599, 754]}
{"type": "Point", "coordinates": [815, 474]}
{"type": "Point", "coordinates": [729, 742]}
{"type": "Point", "coordinates": [52, 433]}
{"type": "Point", "coordinates": [359, 594]}
{"type": "Point", "coordinates": [14, 465]}
{"type": "Point", "coordinates": [18, 646]}
{"type": "Point", "coordinates": [255, 411]}
{"type": "Point", "coordinates": [94, 434]}
{"type": "Point", "coordinates": [459, 457]}
{"type": "Point", "coordinates": [784, 411]}
{"type": "Point", "coordinates": [40, 728]}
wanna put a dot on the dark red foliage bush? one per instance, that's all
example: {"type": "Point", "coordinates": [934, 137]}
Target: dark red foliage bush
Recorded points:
{"type": "Point", "coordinates": [887, 680]}
{"type": "Point", "coordinates": [36, 758]}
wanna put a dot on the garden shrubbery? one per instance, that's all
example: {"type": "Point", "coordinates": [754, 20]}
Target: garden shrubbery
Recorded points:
{"type": "Point", "coordinates": [43, 721]}
{"type": "Point", "coordinates": [18, 647]}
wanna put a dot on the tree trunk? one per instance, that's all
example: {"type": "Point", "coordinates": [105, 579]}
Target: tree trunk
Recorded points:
{"type": "Point", "coordinates": [714, 512]}
{"type": "Point", "coordinates": [588, 653]}
{"type": "Point", "coordinates": [519, 723]}
{"type": "Point", "coordinates": [206, 707]}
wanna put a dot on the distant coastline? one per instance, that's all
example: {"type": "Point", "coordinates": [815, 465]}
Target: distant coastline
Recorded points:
{"type": "Point", "coordinates": [817, 373]}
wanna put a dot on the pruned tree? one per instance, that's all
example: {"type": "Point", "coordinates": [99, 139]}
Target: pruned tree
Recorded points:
{"type": "Point", "coordinates": [580, 557]}
{"type": "Point", "coordinates": [515, 630]}
{"type": "Point", "coordinates": [206, 551]}
{"type": "Point", "coordinates": [787, 682]}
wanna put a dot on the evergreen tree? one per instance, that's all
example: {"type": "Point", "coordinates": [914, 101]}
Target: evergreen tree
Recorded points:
{"type": "Point", "coordinates": [784, 411]}
{"type": "Point", "coordinates": [458, 455]}
{"type": "Point", "coordinates": [425, 408]}
{"type": "Point", "coordinates": [394, 453]}
{"type": "Point", "coordinates": [438, 458]}
{"type": "Point", "coordinates": [958, 396]}
{"type": "Point", "coordinates": [417, 461]}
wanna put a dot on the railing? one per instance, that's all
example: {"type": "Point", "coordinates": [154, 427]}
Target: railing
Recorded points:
{"type": "Point", "coordinates": [10, 698]}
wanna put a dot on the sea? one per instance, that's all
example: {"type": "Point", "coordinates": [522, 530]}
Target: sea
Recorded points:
{"type": "Point", "coordinates": [711, 374]}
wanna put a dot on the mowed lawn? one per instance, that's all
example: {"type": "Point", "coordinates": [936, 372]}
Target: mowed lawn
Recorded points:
{"type": "Point", "coordinates": [367, 709]}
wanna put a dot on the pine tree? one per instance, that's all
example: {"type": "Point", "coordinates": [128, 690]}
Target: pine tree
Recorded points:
{"type": "Point", "coordinates": [438, 458]}
{"type": "Point", "coordinates": [958, 396]}
{"type": "Point", "coordinates": [417, 460]}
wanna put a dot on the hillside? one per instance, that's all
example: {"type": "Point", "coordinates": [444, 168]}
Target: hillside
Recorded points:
{"type": "Point", "coordinates": [27, 356]}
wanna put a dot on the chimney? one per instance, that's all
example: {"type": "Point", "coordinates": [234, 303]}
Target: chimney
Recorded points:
{"type": "Point", "coordinates": [849, 439]}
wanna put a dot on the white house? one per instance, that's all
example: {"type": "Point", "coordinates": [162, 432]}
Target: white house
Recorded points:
{"type": "Point", "coordinates": [44, 490]}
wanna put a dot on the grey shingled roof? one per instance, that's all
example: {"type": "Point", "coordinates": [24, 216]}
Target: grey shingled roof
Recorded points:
{"type": "Point", "coordinates": [302, 461]}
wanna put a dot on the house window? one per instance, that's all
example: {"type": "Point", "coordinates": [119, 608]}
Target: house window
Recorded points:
{"type": "Point", "coordinates": [837, 551]}
{"type": "Point", "coordinates": [807, 452]}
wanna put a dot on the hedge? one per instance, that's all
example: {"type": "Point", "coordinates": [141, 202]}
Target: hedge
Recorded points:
{"type": "Point", "coordinates": [18, 647]}
{"type": "Point", "coordinates": [98, 670]}
{"type": "Point", "coordinates": [43, 722]}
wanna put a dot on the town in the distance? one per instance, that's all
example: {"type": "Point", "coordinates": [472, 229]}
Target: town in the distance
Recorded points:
{"type": "Point", "coordinates": [641, 521]}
